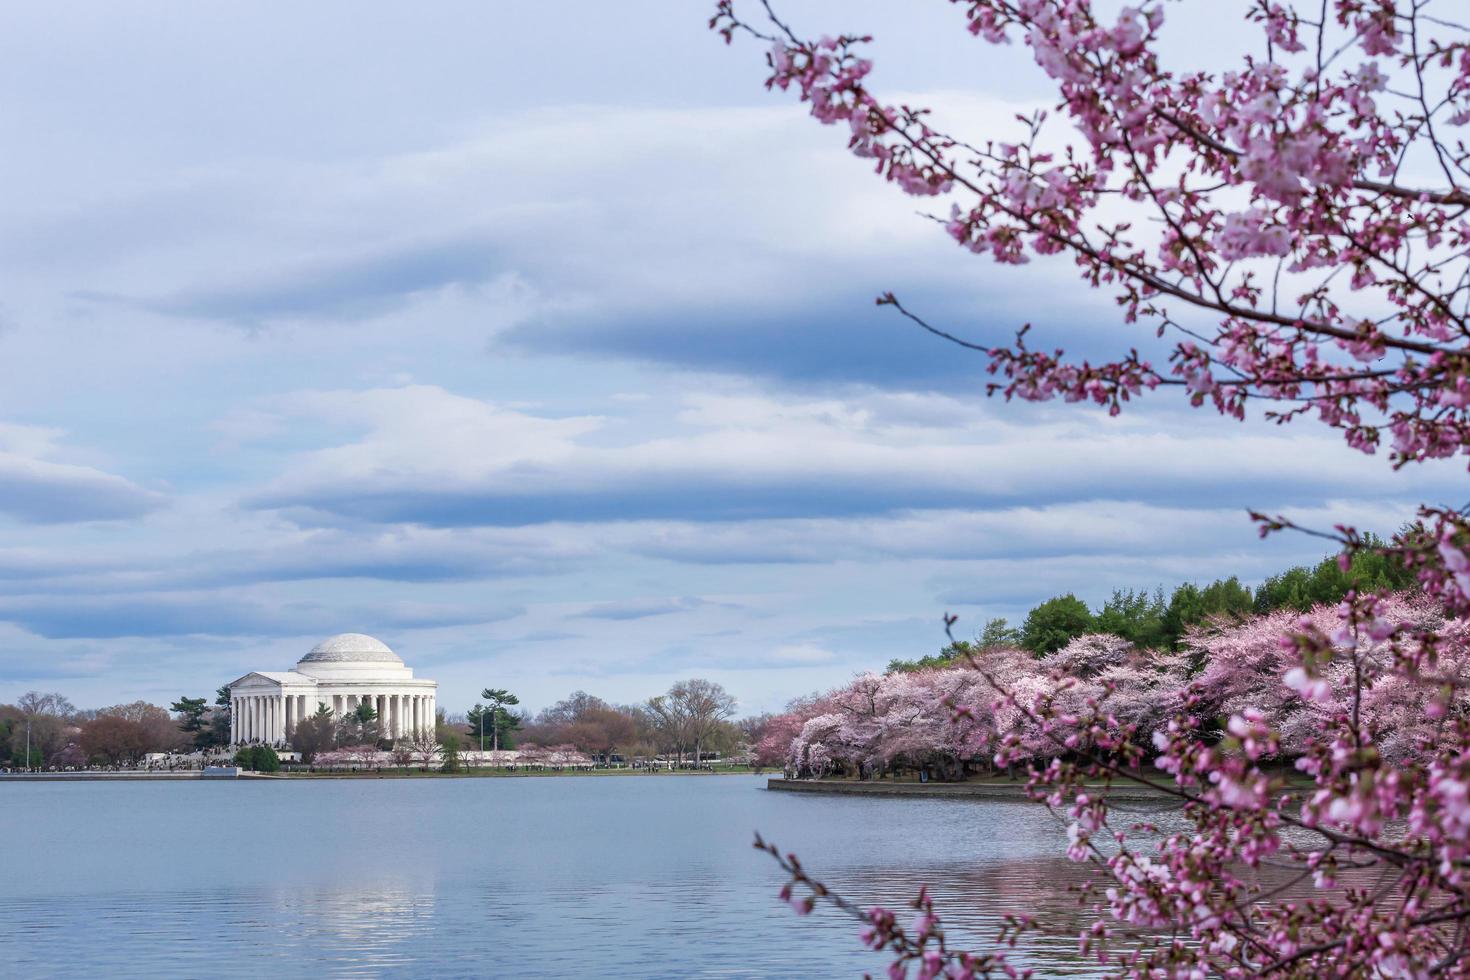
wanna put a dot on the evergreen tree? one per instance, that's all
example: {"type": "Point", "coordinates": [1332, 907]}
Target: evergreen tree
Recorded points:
{"type": "Point", "coordinates": [1136, 616]}
{"type": "Point", "coordinates": [501, 721]}
{"type": "Point", "coordinates": [997, 633]}
{"type": "Point", "coordinates": [191, 721]}
{"type": "Point", "coordinates": [1056, 621]}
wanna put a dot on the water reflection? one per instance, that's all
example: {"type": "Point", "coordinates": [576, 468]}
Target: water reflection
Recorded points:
{"type": "Point", "coordinates": [629, 877]}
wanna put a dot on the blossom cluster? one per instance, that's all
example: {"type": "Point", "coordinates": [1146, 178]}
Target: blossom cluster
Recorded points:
{"type": "Point", "coordinates": [1293, 742]}
{"type": "Point", "coordinates": [1310, 204]}
{"type": "Point", "coordinates": [1297, 226]}
{"type": "Point", "coordinates": [1296, 232]}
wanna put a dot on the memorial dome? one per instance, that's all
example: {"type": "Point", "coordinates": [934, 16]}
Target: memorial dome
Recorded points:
{"type": "Point", "coordinates": [356, 648]}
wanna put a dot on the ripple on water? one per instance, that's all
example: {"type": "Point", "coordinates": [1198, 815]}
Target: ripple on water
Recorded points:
{"type": "Point", "coordinates": [547, 877]}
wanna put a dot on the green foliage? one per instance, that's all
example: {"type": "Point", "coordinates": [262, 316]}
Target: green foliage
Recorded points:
{"type": "Point", "coordinates": [1136, 616]}
{"type": "Point", "coordinates": [479, 721]}
{"type": "Point", "coordinates": [218, 732]}
{"type": "Point", "coordinates": [1150, 623]}
{"type": "Point", "coordinates": [1301, 588]}
{"type": "Point", "coordinates": [192, 712]}
{"type": "Point", "coordinates": [1190, 605]}
{"type": "Point", "coordinates": [1055, 623]}
{"type": "Point", "coordinates": [450, 745]}
{"type": "Point", "coordinates": [944, 658]}
{"type": "Point", "coordinates": [499, 723]}
{"type": "Point", "coordinates": [998, 633]}
{"type": "Point", "coordinates": [191, 719]}
{"type": "Point", "coordinates": [258, 758]}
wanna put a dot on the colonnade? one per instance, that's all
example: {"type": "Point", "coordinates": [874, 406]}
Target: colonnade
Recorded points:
{"type": "Point", "coordinates": [272, 718]}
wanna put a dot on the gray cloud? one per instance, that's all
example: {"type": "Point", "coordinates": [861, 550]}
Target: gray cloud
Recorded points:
{"type": "Point", "coordinates": [349, 286]}
{"type": "Point", "coordinates": [643, 608]}
{"type": "Point", "coordinates": [42, 492]}
{"type": "Point", "coordinates": [224, 614]}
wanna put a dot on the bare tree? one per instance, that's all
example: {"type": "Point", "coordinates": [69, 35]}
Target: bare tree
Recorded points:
{"type": "Point", "coordinates": [706, 706]}
{"type": "Point", "coordinates": [690, 715]}
{"type": "Point", "coordinates": [402, 754]}
{"type": "Point", "coordinates": [38, 703]}
{"type": "Point", "coordinates": [665, 719]}
{"type": "Point", "coordinates": [424, 745]}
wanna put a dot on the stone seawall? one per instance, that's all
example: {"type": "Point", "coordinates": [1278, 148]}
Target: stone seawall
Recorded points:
{"type": "Point", "coordinates": [123, 775]}
{"type": "Point", "coordinates": [945, 791]}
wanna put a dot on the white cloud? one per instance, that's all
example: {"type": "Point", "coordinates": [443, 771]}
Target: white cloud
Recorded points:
{"type": "Point", "coordinates": [427, 455]}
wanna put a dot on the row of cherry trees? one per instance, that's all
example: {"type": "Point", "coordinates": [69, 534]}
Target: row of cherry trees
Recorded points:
{"type": "Point", "coordinates": [951, 721]}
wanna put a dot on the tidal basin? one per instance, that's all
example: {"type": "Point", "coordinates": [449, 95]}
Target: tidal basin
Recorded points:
{"type": "Point", "coordinates": [649, 876]}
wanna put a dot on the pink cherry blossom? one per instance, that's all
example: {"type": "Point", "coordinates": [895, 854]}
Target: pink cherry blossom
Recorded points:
{"type": "Point", "coordinates": [1290, 234]}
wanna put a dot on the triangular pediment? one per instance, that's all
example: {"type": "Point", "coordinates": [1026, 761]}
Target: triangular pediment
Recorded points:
{"type": "Point", "coordinates": [255, 679]}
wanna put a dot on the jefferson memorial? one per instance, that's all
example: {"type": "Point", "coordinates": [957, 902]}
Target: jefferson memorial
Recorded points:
{"type": "Point", "coordinates": [341, 672]}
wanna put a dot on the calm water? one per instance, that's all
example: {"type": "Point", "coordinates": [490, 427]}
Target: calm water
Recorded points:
{"type": "Point", "coordinates": [630, 876]}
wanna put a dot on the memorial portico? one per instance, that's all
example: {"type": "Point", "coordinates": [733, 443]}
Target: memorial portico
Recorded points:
{"type": "Point", "coordinates": [343, 672]}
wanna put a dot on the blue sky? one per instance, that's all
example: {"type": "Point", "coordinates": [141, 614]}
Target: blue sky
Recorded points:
{"type": "Point", "coordinates": [538, 340]}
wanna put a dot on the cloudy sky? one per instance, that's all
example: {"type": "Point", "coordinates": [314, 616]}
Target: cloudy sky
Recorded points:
{"type": "Point", "coordinates": [538, 341]}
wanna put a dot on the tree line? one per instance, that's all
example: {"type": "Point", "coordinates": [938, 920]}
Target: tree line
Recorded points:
{"type": "Point", "coordinates": [44, 730]}
{"type": "Point", "coordinates": [1150, 621]}
{"type": "Point", "coordinates": [689, 721]}
{"type": "Point", "coordinates": [950, 720]}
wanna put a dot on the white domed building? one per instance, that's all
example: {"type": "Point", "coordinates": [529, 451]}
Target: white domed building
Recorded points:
{"type": "Point", "coordinates": [340, 672]}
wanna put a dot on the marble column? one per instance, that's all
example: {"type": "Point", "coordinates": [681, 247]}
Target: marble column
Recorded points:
{"type": "Point", "coordinates": [234, 720]}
